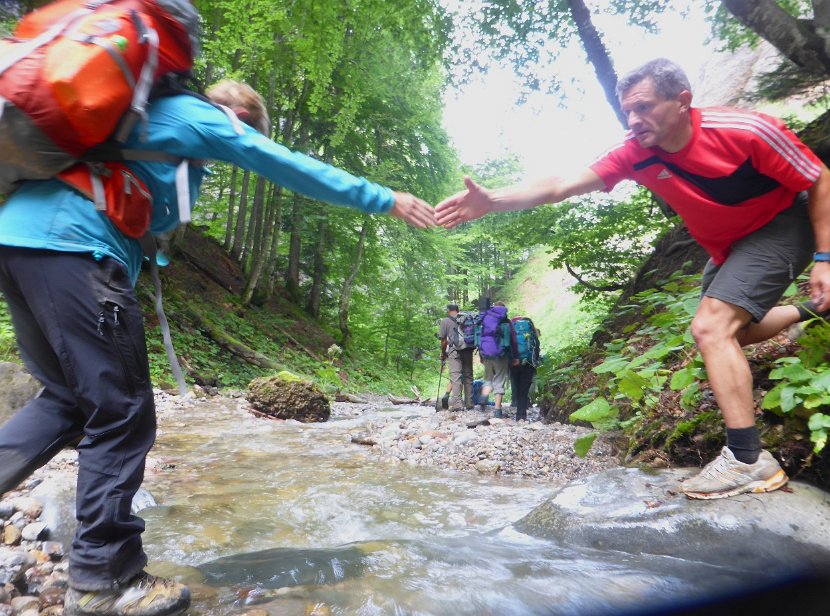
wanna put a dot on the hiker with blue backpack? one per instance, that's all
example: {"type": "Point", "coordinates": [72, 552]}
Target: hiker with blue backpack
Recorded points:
{"type": "Point", "coordinates": [457, 334]}
{"type": "Point", "coordinates": [524, 364]}
{"type": "Point", "coordinates": [496, 346]}
{"type": "Point", "coordinates": [68, 271]}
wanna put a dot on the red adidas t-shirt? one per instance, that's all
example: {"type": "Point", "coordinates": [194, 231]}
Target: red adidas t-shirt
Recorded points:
{"type": "Point", "coordinates": [738, 171]}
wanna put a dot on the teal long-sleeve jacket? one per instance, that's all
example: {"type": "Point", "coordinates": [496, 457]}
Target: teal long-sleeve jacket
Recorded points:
{"type": "Point", "coordinates": [51, 215]}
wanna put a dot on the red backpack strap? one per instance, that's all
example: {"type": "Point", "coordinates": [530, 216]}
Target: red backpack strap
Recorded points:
{"type": "Point", "coordinates": [116, 191]}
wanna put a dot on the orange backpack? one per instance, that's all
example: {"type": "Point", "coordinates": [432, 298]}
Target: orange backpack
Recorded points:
{"type": "Point", "coordinates": [76, 73]}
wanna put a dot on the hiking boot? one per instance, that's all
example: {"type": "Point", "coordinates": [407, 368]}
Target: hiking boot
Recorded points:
{"type": "Point", "coordinates": [456, 408]}
{"type": "Point", "coordinates": [144, 595]}
{"type": "Point", "coordinates": [497, 414]}
{"type": "Point", "coordinates": [725, 476]}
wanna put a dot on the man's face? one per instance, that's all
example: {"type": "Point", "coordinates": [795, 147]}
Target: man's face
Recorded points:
{"type": "Point", "coordinates": [655, 120]}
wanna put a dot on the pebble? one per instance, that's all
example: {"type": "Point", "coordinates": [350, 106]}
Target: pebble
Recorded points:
{"type": "Point", "coordinates": [475, 441]}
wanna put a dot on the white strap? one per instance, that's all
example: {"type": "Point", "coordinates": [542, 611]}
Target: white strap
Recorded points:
{"type": "Point", "coordinates": [183, 191]}
{"type": "Point", "coordinates": [165, 327]}
{"type": "Point", "coordinates": [99, 196]}
{"type": "Point", "coordinates": [24, 49]}
{"type": "Point", "coordinates": [237, 125]}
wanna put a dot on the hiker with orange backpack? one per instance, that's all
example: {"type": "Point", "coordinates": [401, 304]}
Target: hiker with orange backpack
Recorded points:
{"type": "Point", "coordinates": [67, 271]}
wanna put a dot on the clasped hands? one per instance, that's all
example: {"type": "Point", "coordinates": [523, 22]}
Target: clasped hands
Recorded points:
{"type": "Point", "coordinates": [461, 207]}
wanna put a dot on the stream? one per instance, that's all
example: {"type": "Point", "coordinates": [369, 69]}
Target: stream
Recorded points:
{"type": "Point", "coordinates": [270, 517]}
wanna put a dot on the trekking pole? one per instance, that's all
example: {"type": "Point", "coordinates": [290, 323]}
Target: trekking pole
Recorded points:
{"type": "Point", "coordinates": [438, 395]}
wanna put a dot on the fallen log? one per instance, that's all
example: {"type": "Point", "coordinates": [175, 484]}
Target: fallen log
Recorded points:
{"type": "Point", "coordinates": [396, 400]}
{"type": "Point", "coordinates": [350, 398]}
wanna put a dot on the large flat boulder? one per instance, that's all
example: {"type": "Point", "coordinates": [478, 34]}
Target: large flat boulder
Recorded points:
{"type": "Point", "coordinates": [637, 512]}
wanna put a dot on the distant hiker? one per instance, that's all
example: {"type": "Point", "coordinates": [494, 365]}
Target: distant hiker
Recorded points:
{"type": "Point", "coordinates": [496, 349]}
{"type": "Point", "coordinates": [457, 334]}
{"type": "Point", "coordinates": [68, 273]}
{"type": "Point", "coordinates": [747, 189]}
{"type": "Point", "coordinates": [524, 363]}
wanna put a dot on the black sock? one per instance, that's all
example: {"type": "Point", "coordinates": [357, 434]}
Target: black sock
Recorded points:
{"type": "Point", "coordinates": [807, 311]}
{"type": "Point", "coordinates": [745, 444]}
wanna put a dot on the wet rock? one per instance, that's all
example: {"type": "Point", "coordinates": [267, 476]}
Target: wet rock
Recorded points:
{"type": "Point", "coordinates": [631, 511]}
{"type": "Point", "coordinates": [52, 596]}
{"type": "Point", "coordinates": [284, 398]}
{"type": "Point", "coordinates": [282, 567]}
{"type": "Point", "coordinates": [11, 535]}
{"type": "Point", "coordinates": [17, 387]}
{"type": "Point", "coordinates": [488, 467]}
{"type": "Point", "coordinates": [53, 549]}
{"type": "Point", "coordinates": [28, 506]}
{"type": "Point", "coordinates": [363, 439]}
{"type": "Point", "coordinates": [6, 509]}
{"type": "Point", "coordinates": [35, 531]}
{"type": "Point", "coordinates": [24, 603]}
{"type": "Point", "coordinates": [13, 565]}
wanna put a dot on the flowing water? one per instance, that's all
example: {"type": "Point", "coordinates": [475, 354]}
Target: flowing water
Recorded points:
{"type": "Point", "coordinates": [295, 519]}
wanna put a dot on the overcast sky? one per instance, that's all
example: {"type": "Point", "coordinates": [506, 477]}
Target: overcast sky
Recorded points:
{"type": "Point", "coordinates": [484, 121]}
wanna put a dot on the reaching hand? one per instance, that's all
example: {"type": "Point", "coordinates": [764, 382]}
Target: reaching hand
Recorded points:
{"type": "Point", "coordinates": [413, 210]}
{"type": "Point", "coordinates": [462, 207]}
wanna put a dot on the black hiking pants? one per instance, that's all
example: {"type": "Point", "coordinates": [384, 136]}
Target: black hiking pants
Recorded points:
{"type": "Point", "coordinates": [521, 378]}
{"type": "Point", "coordinates": [81, 334]}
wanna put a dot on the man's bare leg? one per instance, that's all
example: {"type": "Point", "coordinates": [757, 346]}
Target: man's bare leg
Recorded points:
{"type": "Point", "coordinates": [743, 465]}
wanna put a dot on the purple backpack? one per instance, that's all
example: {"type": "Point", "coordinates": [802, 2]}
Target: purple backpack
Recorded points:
{"type": "Point", "coordinates": [495, 332]}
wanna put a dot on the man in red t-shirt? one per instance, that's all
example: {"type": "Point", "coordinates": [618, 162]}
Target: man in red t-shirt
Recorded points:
{"type": "Point", "coordinates": [756, 199]}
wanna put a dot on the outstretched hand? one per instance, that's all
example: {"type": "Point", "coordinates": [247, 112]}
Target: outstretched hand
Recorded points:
{"type": "Point", "coordinates": [464, 206]}
{"type": "Point", "coordinates": [413, 210]}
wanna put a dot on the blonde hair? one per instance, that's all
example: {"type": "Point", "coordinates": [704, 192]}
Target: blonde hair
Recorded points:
{"type": "Point", "coordinates": [242, 97]}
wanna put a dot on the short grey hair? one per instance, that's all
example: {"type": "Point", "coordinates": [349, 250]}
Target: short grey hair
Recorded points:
{"type": "Point", "coordinates": [669, 79]}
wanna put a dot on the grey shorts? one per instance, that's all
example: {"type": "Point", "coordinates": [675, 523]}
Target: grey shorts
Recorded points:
{"type": "Point", "coordinates": [495, 373]}
{"type": "Point", "coordinates": [762, 265]}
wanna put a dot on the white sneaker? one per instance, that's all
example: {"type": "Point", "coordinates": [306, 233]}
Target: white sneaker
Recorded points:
{"type": "Point", "coordinates": [725, 476]}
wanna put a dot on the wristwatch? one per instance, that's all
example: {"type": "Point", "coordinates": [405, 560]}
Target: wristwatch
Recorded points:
{"type": "Point", "coordinates": [821, 256]}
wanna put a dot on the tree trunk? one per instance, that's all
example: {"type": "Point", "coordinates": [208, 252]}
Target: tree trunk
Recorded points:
{"type": "Point", "coordinates": [803, 41]}
{"type": "Point", "coordinates": [253, 238]}
{"type": "Point", "coordinates": [597, 55]}
{"type": "Point", "coordinates": [229, 343]}
{"type": "Point", "coordinates": [292, 272]}
{"type": "Point", "coordinates": [241, 216]}
{"type": "Point", "coordinates": [268, 245]}
{"type": "Point", "coordinates": [273, 261]}
{"type": "Point", "coordinates": [315, 295]}
{"type": "Point", "coordinates": [231, 202]}
{"type": "Point", "coordinates": [348, 283]}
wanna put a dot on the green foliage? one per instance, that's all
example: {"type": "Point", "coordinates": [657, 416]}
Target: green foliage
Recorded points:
{"type": "Point", "coordinates": [603, 241]}
{"type": "Point", "coordinates": [635, 370]}
{"type": "Point", "coordinates": [8, 345]}
{"type": "Point", "coordinates": [803, 389]}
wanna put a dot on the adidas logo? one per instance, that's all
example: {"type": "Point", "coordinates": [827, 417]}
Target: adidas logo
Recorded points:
{"type": "Point", "coordinates": [664, 175]}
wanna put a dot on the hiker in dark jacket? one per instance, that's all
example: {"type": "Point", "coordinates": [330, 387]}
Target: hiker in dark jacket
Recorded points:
{"type": "Point", "coordinates": [523, 363]}
{"type": "Point", "coordinates": [67, 273]}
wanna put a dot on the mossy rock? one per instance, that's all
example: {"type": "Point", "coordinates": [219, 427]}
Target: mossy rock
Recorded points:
{"type": "Point", "coordinates": [288, 397]}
